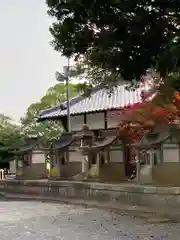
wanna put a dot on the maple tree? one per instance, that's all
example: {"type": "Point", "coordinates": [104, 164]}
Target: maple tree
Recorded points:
{"type": "Point", "coordinates": [155, 109]}
{"type": "Point", "coordinates": [138, 120]}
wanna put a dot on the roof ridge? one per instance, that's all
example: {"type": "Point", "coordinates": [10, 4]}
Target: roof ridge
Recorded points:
{"type": "Point", "coordinates": [73, 100]}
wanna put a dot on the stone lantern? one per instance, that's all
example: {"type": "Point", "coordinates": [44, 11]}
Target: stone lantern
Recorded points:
{"type": "Point", "coordinates": [86, 137]}
{"type": "Point", "coordinates": [85, 147]}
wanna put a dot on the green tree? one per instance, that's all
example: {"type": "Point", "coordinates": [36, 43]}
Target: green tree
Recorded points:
{"type": "Point", "coordinates": [47, 129]}
{"type": "Point", "coordinates": [10, 138]}
{"type": "Point", "coordinates": [93, 75]}
{"type": "Point", "coordinates": [121, 36]}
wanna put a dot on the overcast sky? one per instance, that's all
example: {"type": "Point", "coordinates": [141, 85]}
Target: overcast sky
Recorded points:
{"type": "Point", "coordinates": [27, 61]}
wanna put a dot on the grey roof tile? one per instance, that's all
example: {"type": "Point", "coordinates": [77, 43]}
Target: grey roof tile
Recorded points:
{"type": "Point", "coordinates": [99, 100]}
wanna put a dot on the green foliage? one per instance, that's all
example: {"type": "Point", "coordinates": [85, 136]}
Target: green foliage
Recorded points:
{"type": "Point", "coordinates": [119, 36]}
{"type": "Point", "coordinates": [48, 129]}
{"type": "Point", "coordinates": [10, 138]}
{"type": "Point", "coordinates": [173, 80]}
{"type": "Point", "coordinates": [84, 70]}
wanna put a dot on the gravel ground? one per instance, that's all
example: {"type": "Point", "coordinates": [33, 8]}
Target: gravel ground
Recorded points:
{"type": "Point", "coordinates": [45, 221]}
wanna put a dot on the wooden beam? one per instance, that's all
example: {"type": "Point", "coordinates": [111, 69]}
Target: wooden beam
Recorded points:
{"type": "Point", "coordinates": [105, 120]}
{"type": "Point", "coordinates": [85, 118]}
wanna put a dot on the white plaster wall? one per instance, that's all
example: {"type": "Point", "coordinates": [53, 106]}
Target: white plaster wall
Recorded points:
{"type": "Point", "coordinates": [95, 120]}
{"type": "Point", "coordinates": [38, 157]}
{"type": "Point", "coordinates": [75, 157]}
{"type": "Point", "coordinates": [116, 156]}
{"type": "Point", "coordinates": [169, 154]}
{"type": "Point", "coordinates": [112, 121]}
{"type": "Point", "coordinates": [77, 122]}
{"type": "Point", "coordinates": [12, 166]}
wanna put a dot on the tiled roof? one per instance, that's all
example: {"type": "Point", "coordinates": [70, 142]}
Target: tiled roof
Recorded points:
{"type": "Point", "coordinates": [154, 138]}
{"type": "Point", "coordinates": [99, 100]}
{"type": "Point", "coordinates": [64, 141]}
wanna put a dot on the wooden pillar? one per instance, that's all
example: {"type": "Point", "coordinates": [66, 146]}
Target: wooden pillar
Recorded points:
{"type": "Point", "coordinates": [138, 167]}
{"type": "Point", "coordinates": [105, 120]}
{"type": "Point", "coordinates": [58, 164]}
{"type": "Point", "coordinates": [151, 156]}
{"type": "Point", "coordinates": [51, 155]}
{"type": "Point", "coordinates": [107, 152]}
{"type": "Point", "coordinates": [85, 118]}
{"type": "Point", "coordinates": [127, 159]}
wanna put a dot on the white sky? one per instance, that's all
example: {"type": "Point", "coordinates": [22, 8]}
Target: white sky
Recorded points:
{"type": "Point", "coordinates": [27, 61]}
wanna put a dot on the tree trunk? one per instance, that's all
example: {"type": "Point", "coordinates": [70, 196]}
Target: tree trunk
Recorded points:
{"type": "Point", "coordinates": [127, 159]}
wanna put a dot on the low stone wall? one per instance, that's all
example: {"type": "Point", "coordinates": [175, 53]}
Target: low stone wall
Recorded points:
{"type": "Point", "coordinates": [167, 174]}
{"type": "Point", "coordinates": [123, 193]}
{"type": "Point", "coordinates": [112, 173]}
{"type": "Point", "coordinates": [70, 169]}
{"type": "Point", "coordinates": [35, 171]}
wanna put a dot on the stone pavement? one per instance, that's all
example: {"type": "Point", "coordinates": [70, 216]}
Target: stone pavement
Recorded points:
{"type": "Point", "coordinates": [153, 213]}
{"type": "Point", "coordinates": [24, 220]}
